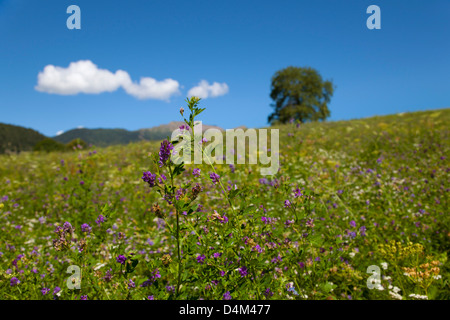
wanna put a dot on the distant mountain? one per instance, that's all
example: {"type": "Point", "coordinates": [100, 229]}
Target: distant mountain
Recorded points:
{"type": "Point", "coordinates": [99, 137]}
{"type": "Point", "coordinates": [107, 137]}
{"type": "Point", "coordinates": [16, 139]}
{"type": "Point", "coordinates": [164, 130]}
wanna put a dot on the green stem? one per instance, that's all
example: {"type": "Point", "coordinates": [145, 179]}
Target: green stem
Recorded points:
{"type": "Point", "coordinates": [178, 236]}
{"type": "Point", "coordinates": [220, 181]}
{"type": "Point", "coordinates": [179, 254]}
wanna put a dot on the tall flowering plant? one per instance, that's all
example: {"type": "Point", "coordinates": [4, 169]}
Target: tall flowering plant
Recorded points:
{"type": "Point", "coordinates": [181, 197]}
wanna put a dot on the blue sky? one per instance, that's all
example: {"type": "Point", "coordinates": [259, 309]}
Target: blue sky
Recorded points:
{"type": "Point", "coordinates": [404, 66]}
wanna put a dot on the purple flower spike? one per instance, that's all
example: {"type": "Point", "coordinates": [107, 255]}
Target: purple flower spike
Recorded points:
{"type": "Point", "coordinates": [121, 259]}
{"type": "Point", "coordinates": [164, 152]}
{"type": "Point", "coordinates": [214, 177]}
{"type": "Point", "coordinates": [243, 271]}
{"type": "Point", "coordinates": [227, 296]}
{"type": "Point", "coordinates": [150, 178]}
{"type": "Point", "coordinates": [14, 282]}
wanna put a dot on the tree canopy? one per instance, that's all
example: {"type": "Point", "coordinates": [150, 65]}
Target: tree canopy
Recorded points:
{"type": "Point", "coordinates": [49, 145]}
{"type": "Point", "coordinates": [300, 94]}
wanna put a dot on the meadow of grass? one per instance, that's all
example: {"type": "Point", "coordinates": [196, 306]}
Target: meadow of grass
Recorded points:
{"type": "Point", "coordinates": [350, 198]}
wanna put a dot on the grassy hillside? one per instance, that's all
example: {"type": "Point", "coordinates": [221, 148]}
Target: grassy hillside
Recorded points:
{"type": "Point", "coordinates": [350, 195]}
{"type": "Point", "coordinates": [99, 137]}
{"type": "Point", "coordinates": [17, 139]}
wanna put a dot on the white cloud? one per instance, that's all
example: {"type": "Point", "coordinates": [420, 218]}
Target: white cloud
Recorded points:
{"type": "Point", "coordinates": [85, 77]}
{"type": "Point", "coordinates": [80, 127]}
{"type": "Point", "coordinates": [80, 77]}
{"type": "Point", "coordinates": [60, 132]}
{"type": "Point", "coordinates": [149, 88]}
{"type": "Point", "coordinates": [205, 90]}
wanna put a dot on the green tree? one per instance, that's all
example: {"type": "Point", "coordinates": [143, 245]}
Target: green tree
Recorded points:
{"type": "Point", "coordinates": [76, 144]}
{"type": "Point", "coordinates": [299, 94]}
{"type": "Point", "coordinates": [49, 145]}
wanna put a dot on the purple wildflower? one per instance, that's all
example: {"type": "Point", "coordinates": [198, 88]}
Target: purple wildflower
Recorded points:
{"type": "Point", "coordinates": [121, 259]}
{"type": "Point", "coordinates": [100, 219]}
{"type": "Point", "coordinates": [363, 231]}
{"type": "Point", "coordinates": [108, 275]}
{"type": "Point", "coordinates": [155, 275]}
{"type": "Point", "coordinates": [287, 204]}
{"type": "Point", "coordinates": [168, 198]}
{"type": "Point", "coordinates": [86, 228]}
{"type": "Point", "coordinates": [170, 288]}
{"type": "Point", "coordinates": [14, 282]}
{"type": "Point", "coordinates": [214, 177]}
{"type": "Point", "coordinates": [67, 227]}
{"type": "Point", "coordinates": [243, 271]}
{"type": "Point", "coordinates": [227, 296]}
{"type": "Point", "coordinates": [225, 219]}
{"type": "Point", "coordinates": [184, 127]}
{"type": "Point", "coordinates": [298, 193]}
{"type": "Point", "coordinates": [258, 248]}
{"type": "Point", "coordinates": [180, 193]}
{"type": "Point", "coordinates": [164, 152]}
{"type": "Point", "coordinates": [196, 172]}
{"type": "Point", "coordinates": [45, 291]}
{"type": "Point", "coordinates": [288, 222]}
{"type": "Point", "coordinates": [150, 178]}
{"type": "Point", "coordinates": [162, 178]}
{"type": "Point", "coordinates": [310, 223]}
{"type": "Point", "coordinates": [201, 259]}
{"type": "Point", "coordinates": [268, 293]}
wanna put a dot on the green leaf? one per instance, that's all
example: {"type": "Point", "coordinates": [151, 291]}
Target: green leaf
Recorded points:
{"type": "Point", "coordinates": [178, 169]}
{"type": "Point", "coordinates": [315, 240]}
{"type": "Point", "coordinates": [131, 266]}
{"type": "Point", "coordinates": [233, 193]}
